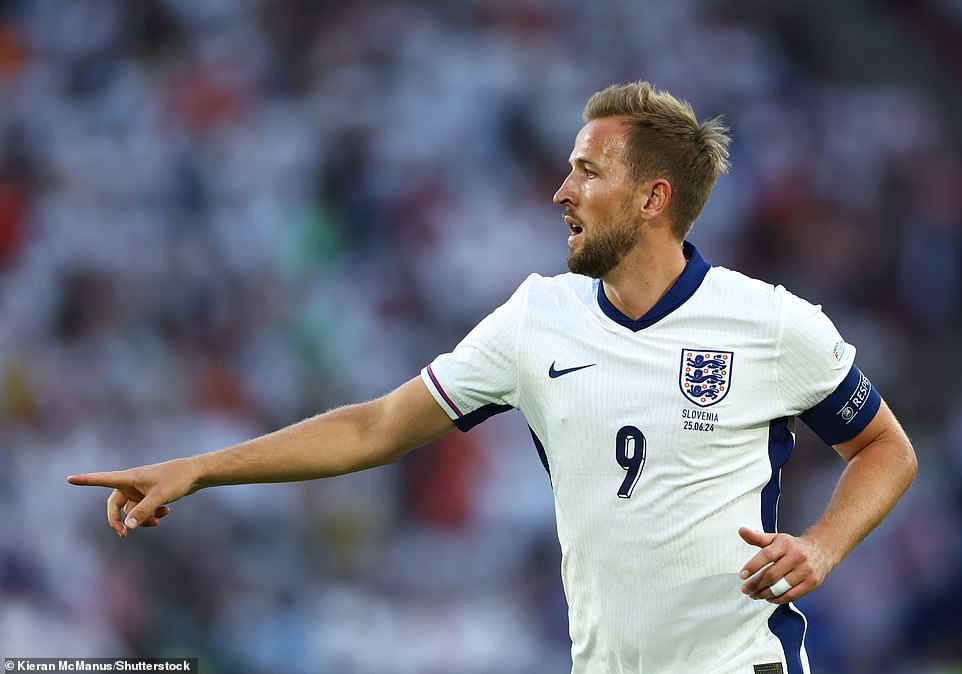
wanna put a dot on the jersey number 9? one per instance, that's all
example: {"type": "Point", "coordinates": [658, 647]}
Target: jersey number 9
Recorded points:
{"type": "Point", "coordinates": [630, 454]}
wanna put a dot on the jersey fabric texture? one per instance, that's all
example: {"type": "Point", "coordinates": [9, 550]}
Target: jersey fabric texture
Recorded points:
{"type": "Point", "coordinates": [662, 436]}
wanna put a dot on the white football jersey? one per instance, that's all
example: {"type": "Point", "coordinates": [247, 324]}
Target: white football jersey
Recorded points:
{"type": "Point", "coordinates": [662, 436]}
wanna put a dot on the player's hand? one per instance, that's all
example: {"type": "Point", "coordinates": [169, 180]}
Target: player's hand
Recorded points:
{"type": "Point", "coordinates": [798, 560]}
{"type": "Point", "coordinates": [140, 495]}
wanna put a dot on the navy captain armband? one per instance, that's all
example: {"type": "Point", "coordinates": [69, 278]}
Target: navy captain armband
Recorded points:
{"type": "Point", "coordinates": [847, 411]}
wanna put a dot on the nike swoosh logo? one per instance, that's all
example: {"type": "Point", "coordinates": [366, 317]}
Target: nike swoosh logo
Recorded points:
{"type": "Point", "coordinates": [554, 374]}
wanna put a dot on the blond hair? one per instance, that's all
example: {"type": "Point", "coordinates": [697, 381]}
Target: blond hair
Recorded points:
{"type": "Point", "coordinates": [666, 140]}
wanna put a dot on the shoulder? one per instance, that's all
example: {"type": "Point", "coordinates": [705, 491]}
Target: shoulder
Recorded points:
{"type": "Point", "coordinates": [796, 325]}
{"type": "Point", "coordinates": [738, 288]}
{"type": "Point", "coordinates": [546, 296]}
{"type": "Point", "coordinates": [725, 279]}
{"type": "Point", "coordinates": [556, 291]}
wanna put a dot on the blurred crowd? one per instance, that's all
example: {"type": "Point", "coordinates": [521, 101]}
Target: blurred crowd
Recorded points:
{"type": "Point", "coordinates": [218, 217]}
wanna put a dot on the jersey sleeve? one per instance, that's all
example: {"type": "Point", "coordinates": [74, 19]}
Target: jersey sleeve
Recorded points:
{"type": "Point", "coordinates": [479, 378]}
{"type": "Point", "coordinates": [817, 379]}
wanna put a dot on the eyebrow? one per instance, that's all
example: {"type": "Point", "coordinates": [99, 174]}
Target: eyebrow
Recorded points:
{"type": "Point", "coordinates": [583, 162]}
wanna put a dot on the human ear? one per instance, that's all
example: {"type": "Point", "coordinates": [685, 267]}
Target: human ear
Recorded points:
{"type": "Point", "coordinates": [655, 197]}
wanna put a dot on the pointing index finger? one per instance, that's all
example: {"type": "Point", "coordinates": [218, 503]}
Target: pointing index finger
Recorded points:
{"type": "Point", "coordinates": [113, 479]}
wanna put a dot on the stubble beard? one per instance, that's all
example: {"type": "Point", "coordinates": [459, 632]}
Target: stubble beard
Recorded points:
{"type": "Point", "coordinates": [603, 249]}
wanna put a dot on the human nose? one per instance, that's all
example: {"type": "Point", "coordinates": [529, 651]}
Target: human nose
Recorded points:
{"type": "Point", "coordinates": [566, 194]}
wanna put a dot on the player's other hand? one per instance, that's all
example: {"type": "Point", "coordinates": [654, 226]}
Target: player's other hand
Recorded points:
{"type": "Point", "coordinates": [798, 560]}
{"type": "Point", "coordinates": [140, 495]}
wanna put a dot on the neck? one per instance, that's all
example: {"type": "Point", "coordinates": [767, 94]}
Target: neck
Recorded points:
{"type": "Point", "coordinates": [644, 276]}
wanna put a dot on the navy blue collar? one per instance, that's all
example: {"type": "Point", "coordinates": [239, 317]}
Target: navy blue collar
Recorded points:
{"type": "Point", "coordinates": [678, 294]}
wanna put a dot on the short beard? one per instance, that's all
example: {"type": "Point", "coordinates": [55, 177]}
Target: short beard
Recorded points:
{"type": "Point", "coordinates": [602, 252]}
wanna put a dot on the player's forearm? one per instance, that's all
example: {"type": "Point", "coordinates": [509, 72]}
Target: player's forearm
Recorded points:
{"type": "Point", "coordinates": [334, 443]}
{"type": "Point", "coordinates": [871, 484]}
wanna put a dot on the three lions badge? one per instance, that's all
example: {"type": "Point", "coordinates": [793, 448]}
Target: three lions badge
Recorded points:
{"type": "Point", "coordinates": [705, 375]}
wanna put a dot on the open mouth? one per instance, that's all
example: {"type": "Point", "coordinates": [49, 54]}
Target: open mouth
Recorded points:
{"type": "Point", "coordinates": [574, 227]}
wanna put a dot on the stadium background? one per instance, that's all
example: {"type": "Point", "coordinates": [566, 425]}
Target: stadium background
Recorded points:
{"type": "Point", "coordinates": [221, 216]}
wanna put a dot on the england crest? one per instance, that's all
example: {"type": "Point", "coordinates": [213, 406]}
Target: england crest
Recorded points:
{"type": "Point", "coordinates": [705, 376]}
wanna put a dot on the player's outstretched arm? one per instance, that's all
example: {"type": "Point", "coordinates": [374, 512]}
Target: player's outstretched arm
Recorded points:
{"type": "Point", "coordinates": [341, 441]}
{"type": "Point", "coordinates": [881, 466]}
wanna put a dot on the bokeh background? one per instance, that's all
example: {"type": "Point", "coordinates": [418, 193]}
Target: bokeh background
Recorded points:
{"type": "Point", "coordinates": [218, 217]}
